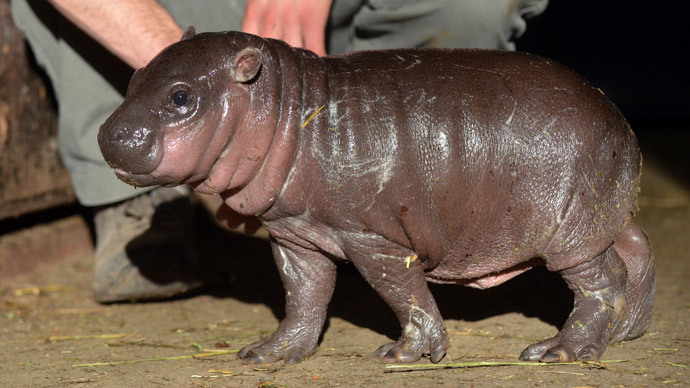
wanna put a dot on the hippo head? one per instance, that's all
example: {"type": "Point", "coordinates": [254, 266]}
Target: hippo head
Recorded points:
{"type": "Point", "coordinates": [180, 111]}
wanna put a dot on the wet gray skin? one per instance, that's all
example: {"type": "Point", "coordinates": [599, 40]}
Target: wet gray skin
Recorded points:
{"type": "Point", "coordinates": [451, 166]}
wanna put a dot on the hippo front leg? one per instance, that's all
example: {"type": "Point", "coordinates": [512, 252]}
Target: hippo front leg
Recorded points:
{"type": "Point", "coordinates": [399, 279]}
{"type": "Point", "coordinates": [309, 279]}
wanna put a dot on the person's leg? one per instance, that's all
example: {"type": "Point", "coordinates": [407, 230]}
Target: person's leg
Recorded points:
{"type": "Point", "coordinates": [143, 238]}
{"type": "Point", "coordinates": [381, 24]}
{"type": "Point", "coordinates": [85, 96]}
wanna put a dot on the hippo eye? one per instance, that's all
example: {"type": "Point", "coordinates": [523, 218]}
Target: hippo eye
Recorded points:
{"type": "Point", "coordinates": [180, 98]}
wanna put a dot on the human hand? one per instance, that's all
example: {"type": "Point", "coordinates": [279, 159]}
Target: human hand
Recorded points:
{"type": "Point", "coordinates": [300, 23]}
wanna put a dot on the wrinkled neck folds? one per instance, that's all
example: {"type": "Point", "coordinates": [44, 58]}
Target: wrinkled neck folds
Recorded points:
{"type": "Point", "coordinates": [291, 84]}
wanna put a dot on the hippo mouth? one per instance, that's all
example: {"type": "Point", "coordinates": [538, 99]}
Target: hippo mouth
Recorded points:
{"type": "Point", "coordinates": [144, 180]}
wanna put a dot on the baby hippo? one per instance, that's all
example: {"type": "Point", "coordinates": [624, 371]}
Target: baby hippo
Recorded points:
{"type": "Point", "coordinates": [451, 166]}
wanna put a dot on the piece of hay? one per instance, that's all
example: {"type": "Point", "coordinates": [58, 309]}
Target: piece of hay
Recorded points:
{"type": "Point", "coordinates": [183, 357]}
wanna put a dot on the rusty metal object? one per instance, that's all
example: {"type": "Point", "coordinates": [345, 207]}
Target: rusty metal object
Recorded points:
{"type": "Point", "coordinates": [32, 176]}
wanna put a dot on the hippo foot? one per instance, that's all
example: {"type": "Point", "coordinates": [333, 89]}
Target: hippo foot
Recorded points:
{"type": "Point", "coordinates": [399, 351]}
{"type": "Point", "coordinates": [415, 343]}
{"type": "Point", "coordinates": [552, 350]}
{"type": "Point", "coordinates": [586, 333]}
{"type": "Point", "coordinates": [276, 348]}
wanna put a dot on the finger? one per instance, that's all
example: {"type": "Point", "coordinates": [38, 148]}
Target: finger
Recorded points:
{"type": "Point", "coordinates": [314, 17]}
{"type": "Point", "coordinates": [292, 32]}
{"type": "Point", "coordinates": [271, 26]}
{"type": "Point", "coordinates": [315, 40]}
{"type": "Point", "coordinates": [251, 20]}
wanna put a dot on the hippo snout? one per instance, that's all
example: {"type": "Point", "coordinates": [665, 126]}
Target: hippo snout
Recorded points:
{"type": "Point", "coordinates": [130, 147]}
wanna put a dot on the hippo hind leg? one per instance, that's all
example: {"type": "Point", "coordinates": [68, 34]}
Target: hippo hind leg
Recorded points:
{"type": "Point", "coordinates": [613, 292]}
{"type": "Point", "coordinates": [632, 246]}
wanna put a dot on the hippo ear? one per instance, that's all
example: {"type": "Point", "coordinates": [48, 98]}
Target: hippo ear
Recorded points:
{"type": "Point", "coordinates": [246, 64]}
{"type": "Point", "coordinates": [188, 33]}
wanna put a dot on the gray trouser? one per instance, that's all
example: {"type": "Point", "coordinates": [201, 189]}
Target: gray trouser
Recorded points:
{"type": "Point", "coordinates": [89, 82]}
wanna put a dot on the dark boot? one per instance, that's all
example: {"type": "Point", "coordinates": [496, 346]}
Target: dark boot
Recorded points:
{"type": "Point", "coordinates": [144, 248]}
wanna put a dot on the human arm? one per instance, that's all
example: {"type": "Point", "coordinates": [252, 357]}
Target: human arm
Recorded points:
{"type": "Point", "coordinates": [301, 23]}
{"type": "Point", "coordinates": [133, 30]}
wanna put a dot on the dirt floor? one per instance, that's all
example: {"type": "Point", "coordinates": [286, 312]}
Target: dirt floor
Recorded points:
{"type": "Point", "coordinates": [52, 333]}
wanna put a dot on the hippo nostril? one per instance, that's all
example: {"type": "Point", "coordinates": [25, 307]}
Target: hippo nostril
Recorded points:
{"type": "Point", "coordinates": [131, 148]}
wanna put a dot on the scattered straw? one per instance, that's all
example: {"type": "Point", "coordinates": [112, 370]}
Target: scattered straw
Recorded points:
{"type": "Point", "coordinates": [308, 120]}
{"type": "Point", "coordinates": [35, 290]}
{"type": "Point", "coordinates": [91, 336]}
{"type": "Point", "coordinates": [458, 365]}
{"type": "Point", "coordinates": [410, 259]}
{"type": "Point", "coordinates": [221, 371]}
{"type": "Point", "coordinates": [183, 357]}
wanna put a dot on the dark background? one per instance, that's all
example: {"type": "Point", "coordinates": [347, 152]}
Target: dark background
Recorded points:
{"type": "Point", "coordinates": [635, 51]}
